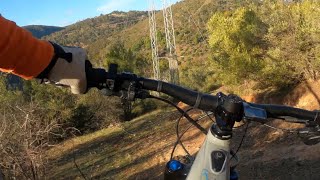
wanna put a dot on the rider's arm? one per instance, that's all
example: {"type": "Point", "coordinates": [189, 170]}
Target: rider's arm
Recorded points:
{"type": "Point", "coordinates": [28, 57]}
{"type": "Point", "coordinates": [20, 52]}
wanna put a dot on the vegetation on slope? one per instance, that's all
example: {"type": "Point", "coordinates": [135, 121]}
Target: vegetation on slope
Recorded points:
{"type": "Point", "coordinates": [40, 116]}
{"type": "Point", "coordinates": [87, 31]}
{"type": "Point", "coordinates": [275, 44]}
{"type": "Point", "coordinates": [266, 42]}
{"type": "Point", "coordinates": [39, 31]}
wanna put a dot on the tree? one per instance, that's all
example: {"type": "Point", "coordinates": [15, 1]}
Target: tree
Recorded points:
{"type": "Point", "coordinates": [293, 42]}
{"type": "Point", "coordinates": [236, 41]}
{"type": "Point", "coordinates": [123, 57]}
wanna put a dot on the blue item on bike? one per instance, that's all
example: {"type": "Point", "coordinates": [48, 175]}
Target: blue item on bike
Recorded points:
{"type": "Point", "coordinates": [174, 165]}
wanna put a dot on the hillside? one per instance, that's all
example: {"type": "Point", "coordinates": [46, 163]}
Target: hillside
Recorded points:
{"type": "Point", "coordinates": [188, 24]}
{"type": "Point", "coordinates": [193, 50]}
{"type": "Point", "coordinates": [257, 57]}
{"type": "Point", "coordinates": [40, 30]}
{"type": "Point", "coordinates": [89, 30]}
{"type": "Point", "coordinates": [190, 21]}
{"type": "Point", "coordinates": [100, 34]}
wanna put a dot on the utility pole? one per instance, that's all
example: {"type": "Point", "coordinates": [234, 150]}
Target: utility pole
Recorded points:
{"type": "Point", "coordinates": [154, 42]}
{"type": "Point", "coordinates": [171, 42]}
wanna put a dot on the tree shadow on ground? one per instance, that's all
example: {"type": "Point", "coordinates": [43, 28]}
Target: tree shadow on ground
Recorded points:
{"type": "Point", "coordinates": [96, 159]}
{"type": "Point", "coordinates": [152, 173]}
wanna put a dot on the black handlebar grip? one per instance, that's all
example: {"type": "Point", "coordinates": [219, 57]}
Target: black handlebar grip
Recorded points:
{"type": "Point", "coordinates": [274, 111]}
{"type": "Point", "coordinates": [95, 77]}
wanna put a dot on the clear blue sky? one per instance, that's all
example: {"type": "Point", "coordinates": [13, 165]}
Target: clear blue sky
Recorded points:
{"type": "Point", "coordinates": [65, 12]}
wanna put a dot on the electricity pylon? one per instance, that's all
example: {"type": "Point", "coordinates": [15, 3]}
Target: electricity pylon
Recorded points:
{"type": "Point", "coordinates": [154, 42]}
{"type": "Point", "coordinates": [171, 42]}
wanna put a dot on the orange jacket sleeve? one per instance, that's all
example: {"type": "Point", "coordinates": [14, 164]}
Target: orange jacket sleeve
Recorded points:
{"type": "Point", "coordinates": [20, 52]}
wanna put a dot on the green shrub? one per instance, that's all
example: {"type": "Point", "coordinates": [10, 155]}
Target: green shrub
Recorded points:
{"type": "Point", "coordinates": [237, 44]}
{"type": "Point", "coordinates": [274, 43]}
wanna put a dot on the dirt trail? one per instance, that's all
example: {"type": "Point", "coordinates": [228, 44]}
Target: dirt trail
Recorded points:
{"type": "Point", "coordinates": [274, 154]}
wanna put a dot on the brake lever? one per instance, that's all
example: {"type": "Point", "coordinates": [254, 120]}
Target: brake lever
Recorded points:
{"type": "Point", "coordinates": [310, 135]}
{"type": "Point", "coordinates": [133, 91]}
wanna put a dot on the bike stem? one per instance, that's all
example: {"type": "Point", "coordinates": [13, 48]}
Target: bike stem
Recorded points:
{"type": "Point", "coordinates": [229, 111]}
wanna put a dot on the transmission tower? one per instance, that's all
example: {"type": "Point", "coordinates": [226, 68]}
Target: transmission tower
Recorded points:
{"type": "Point", "coordinates": [171, 42]}
{"type": "Point", "coordinates": [154, 43]}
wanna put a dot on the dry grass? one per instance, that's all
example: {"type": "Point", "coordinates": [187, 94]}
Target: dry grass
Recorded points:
{"type": "Point", "coordinates": [134, 149]}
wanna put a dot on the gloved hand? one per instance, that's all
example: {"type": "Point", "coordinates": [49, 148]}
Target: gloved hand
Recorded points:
{"type": "Point", "coordinates": [67, 68]}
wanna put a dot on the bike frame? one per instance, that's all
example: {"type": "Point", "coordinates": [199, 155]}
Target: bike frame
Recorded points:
{"type": "Point", "coordinates": [214, 156]}
{"type": "Point", "coordinates": [213, 159]}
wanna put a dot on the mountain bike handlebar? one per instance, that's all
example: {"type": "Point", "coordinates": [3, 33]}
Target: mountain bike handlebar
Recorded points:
{"type": "Point", "coordinates": [114, 82]}
{"type": "Point", "coordinates": [99, 78]}
{"type": "Point", "coordinates": [209, 102]}
{"type": "Point", "coordinates": [196, 99]}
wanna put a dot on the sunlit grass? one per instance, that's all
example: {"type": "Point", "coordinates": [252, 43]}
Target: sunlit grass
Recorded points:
{"type": "Point", "coordinates": [118, 151]}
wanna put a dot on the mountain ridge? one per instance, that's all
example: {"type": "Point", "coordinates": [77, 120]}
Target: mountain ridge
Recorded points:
{"type": "Point", "coordinates": [39, 31]}
{"type": "Point", "coordinates": [89, 30]}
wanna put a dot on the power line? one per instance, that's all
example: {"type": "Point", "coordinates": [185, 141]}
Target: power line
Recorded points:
{"type": "Point", "coordinates": [154, 42]}
{"type": "Point", "coordinates": [170, 42]}
{"type": "Point", "coordinates": [171, 56]}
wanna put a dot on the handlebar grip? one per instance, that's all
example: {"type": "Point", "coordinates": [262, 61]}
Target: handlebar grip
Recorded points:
{"type": "Point", "coordinates": [274, 111]}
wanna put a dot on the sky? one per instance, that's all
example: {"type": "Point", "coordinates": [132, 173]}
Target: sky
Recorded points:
{"type": "Point", "coordinates": [66, 12]}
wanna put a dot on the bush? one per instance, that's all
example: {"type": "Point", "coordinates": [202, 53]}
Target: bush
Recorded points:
{"type": "Point", "coordinates": [237, 44]}
{"type": "Point", "coordinates": [29, 126]}
{"type": "Point", "coordinates": [141, 107]}
{"type": "Point", "coordinates": [42, 115]}
{"type": "Point", "coordinates": [292, 48]}
{"type": "Point", "coordinates": [198, 75]}
{"type": "Point", "coordinates": [274, 44]}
